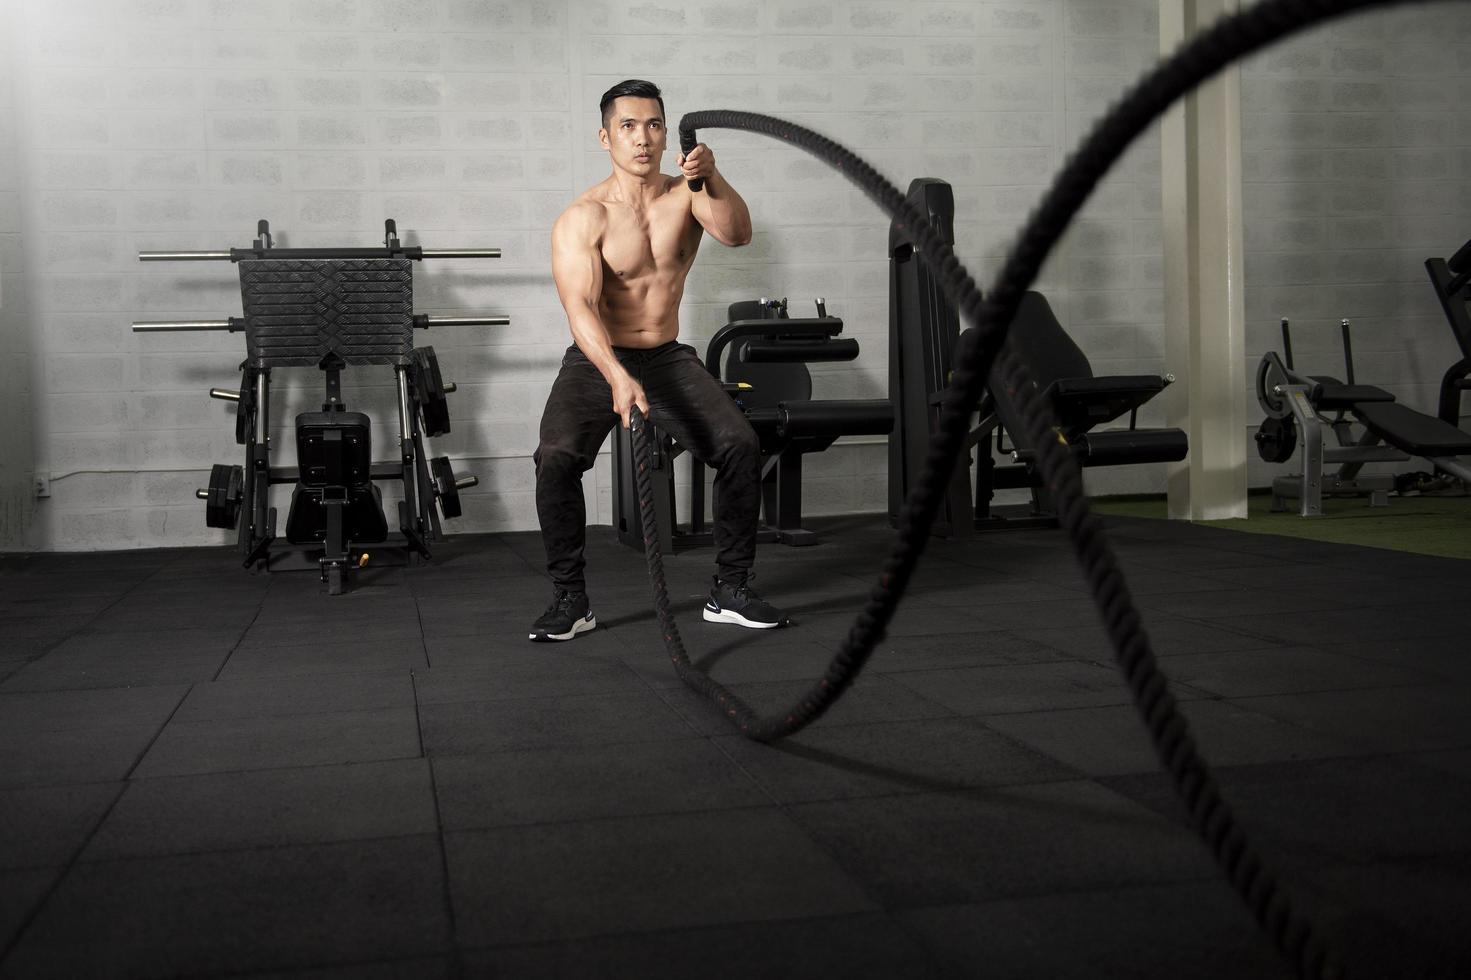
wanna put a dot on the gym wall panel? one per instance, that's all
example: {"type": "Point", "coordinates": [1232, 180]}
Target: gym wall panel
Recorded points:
{"type": "Point", "coordinates": [1354, 169]}
{"type": "Point", "coordinates": [176, 124]}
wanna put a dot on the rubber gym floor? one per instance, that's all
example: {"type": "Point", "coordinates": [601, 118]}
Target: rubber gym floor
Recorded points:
{"type": "Point", "coordinates": [209, 772]}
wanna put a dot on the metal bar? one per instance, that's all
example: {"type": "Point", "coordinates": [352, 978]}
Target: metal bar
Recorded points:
{"type": "Point", "coordinates": [379, 471]}
{"type": "Point", "coordinates": [183, 256]}
{"type": "Point", "coordinates": [1452, 465]}
{"type": "Point", "coordinates": [259, 529]}
{"type": "Point", "coordinates": [225, 394]}
{"type": "Point", "coordinates": [428, 488]}
{"type": "Point", "coordinates": [243, 254]}
{"type": "Point", "coordinates": [1310, 434]}
{"type": "Point", "coordinates": [157, 326]}
{"type": "Point", "coordinates": [466, 321]}
{"type": "Point", "coordinates": [405, 430]}
{"type": "Point", "coordinates": [357, 253]}
{"type": "Point", "coordinates": [262, 408]}
{"type": "Point", "coordinates": [417, 505]}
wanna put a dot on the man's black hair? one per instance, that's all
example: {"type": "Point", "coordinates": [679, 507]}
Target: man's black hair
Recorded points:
{"type": "Point", "coordinates": [632, 86]}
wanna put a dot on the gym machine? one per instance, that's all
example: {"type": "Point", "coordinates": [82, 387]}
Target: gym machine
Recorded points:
{"type": "Point", "coordinates": [329, 308]}
{"type": "Point", "coordinates": [760, 357]}
{"type": "Point", "coordinates": [923, 331]}
{"type": "Point", "coordinates": [1368, 426]}
{"type": "Point", "coordinates": [1452, 281]}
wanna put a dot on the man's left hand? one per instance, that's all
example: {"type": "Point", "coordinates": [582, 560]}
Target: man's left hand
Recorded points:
{"type": "Point", "coordinates": [700, 162]}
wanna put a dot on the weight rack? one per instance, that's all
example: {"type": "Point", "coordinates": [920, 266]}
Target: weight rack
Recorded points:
{"type": "Point", "coordinates": [329, 308]}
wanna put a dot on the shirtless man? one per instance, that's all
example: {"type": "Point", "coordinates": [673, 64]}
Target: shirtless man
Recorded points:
{"type": "Point", "coordinates": [620, 255]}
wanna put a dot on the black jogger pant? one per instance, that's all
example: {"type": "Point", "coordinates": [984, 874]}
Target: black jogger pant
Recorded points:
{"type": "Point", "coordinates": [686, 402]}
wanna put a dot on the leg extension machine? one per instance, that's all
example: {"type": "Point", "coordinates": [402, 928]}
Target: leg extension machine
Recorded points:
{"type": "Point", "coordinates": [330, 308]}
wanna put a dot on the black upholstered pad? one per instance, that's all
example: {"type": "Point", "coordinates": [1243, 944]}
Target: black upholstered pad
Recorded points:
{"type": "Point", "coordinates": [1337, 397]}
{"type": "Point", "coordinates": [1414, 432]}
{"type": "Point", "coordinates": [1082, 403]}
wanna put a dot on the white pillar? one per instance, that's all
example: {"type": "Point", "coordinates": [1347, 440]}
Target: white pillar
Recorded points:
{"type": "Point", "coordinates": [1205, 328]}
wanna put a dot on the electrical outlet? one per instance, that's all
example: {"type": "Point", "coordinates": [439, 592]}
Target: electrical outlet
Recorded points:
{"type": "Point", "coordinates": [43, 485]}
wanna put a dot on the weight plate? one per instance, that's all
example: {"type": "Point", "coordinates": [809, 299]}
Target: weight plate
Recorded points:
{"type": "Point", "coordinates": [444, 487]}
{"type": "Point", "coordinates": [222, 506]}
{"type": "Point", "coordinates": [245, 407]}
{"type": "Point", "coordinates": [1276, 439]}
{"type": "Point", "coordinates": [429, 389]}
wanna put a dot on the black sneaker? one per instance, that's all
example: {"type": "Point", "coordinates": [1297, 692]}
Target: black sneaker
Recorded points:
{"type": "Point", "coordinates": [567, 616]}
{"type": "Point", "coordinates": [741, 605]}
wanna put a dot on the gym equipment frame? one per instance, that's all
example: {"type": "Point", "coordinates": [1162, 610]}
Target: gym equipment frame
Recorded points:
{"type": "Point", "coordinates": [1300, 407]}
{"type": "Point", "coordinates": [760, 356]}
{"type": "Point", "coordinates": [329, 308]}
{"type": "Point", "coordinates": [1452, 281]}
{"type": "Point", "coordinates": [924, 329]}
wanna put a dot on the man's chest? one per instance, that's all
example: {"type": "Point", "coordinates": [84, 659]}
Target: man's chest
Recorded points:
{"type": "Point", "coordinates": [658, 240]}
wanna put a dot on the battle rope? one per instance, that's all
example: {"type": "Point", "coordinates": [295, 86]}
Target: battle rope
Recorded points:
{"type": "Point", "coordinates": [981, 350]}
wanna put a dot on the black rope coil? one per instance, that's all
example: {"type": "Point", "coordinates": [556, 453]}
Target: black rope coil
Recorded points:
{"type": "Point", "coordinates": [983, 351]}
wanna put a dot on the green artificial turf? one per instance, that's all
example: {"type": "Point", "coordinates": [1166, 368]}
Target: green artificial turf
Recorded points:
{"type": "Point", "coordinates": [1437, 525]}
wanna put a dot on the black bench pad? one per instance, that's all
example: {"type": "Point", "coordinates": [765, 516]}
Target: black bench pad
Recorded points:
{"type": "Point", "coordinates": [1414, 432]}
{"type": "Point", "coordinates": [1337, 397]}
{"type": "Point", "coordinates": [1081, 403]}
{"type": "Point", "coordinates": [1115, 447]}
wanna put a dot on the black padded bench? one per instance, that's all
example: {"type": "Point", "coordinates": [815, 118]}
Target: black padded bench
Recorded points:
{"type": "Point", "coordinates": [1301, 409]}
{"type": "Point", "coordinates": [923, 331]}
{"type": "Point", "coordinates": [1415, 432]}
{"type": "Point", "coordinates": [761, 357]}
{"type": "Point", "coordinates": [1081, 402]}
{"type": "Point", "coordinates": [335, 498]}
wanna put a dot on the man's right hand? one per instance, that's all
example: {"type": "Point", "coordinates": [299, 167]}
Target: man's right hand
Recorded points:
{"type": "Point", "coordinates": [626, 394]}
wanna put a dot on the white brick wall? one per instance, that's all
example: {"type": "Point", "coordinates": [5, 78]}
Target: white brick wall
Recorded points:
{"type": "Point", "coordinates": [1357, 149]}
{"type": "Point", "coordinates": [149, 124]}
